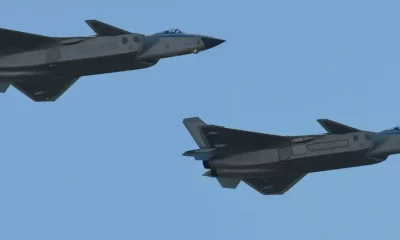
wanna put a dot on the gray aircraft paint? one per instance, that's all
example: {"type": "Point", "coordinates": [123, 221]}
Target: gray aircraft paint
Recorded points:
{"type": "Point", "coordinates": [44, 67]}
{"type": "Point", "coordinates": [272, 164]}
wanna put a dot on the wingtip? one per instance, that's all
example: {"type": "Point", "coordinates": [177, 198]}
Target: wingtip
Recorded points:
{"type": "Point", "coordinates": [322, 120]}
{"type": "Point", "coordinates": [192, 119]}
{"type": "Point", "coordinates": [188, 118]}
{"type": "Point", "coordinates": [90, 22]}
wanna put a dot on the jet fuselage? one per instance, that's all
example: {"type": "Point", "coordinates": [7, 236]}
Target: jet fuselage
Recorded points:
{"type": "Point", "coordinates": [314, 154]}
{"type": "Point", "coordinates": [44, 67]}
{"type": "Point", "coordinates": [272, 164]}
{"type": "Point", "coordinates": [83, 56]}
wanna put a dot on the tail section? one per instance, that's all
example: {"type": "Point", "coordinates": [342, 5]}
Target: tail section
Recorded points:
{"type": "Point", "coordinates": [218, 144]}
{"type": "Point", "coordinates": [193, 126]}
{"type": "Point", "coordinates": [213, 139]}
{"type": "Point", "coordinates": [206, 152]}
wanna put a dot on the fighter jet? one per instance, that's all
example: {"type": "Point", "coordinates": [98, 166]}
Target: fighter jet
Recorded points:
{"type": "Point", "coordinates": [272, 164]}
{"type": "Point", "coordinates": [44, 67]}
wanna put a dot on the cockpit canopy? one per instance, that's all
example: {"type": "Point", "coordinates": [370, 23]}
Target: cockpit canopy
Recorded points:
{"type": "Point", "coordinates": [397, 128]}
{"type": "Point", "coordinates": [170, 31]}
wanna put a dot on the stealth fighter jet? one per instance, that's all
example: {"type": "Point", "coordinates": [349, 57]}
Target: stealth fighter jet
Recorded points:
{"type": "Point", "coordinates": [44, 67]}
{"type": "Point", "coordinates": [272, 164]}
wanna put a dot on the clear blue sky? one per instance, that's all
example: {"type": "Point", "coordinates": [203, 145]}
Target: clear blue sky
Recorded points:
{"type": "Point", "coordinates": [104, 161]}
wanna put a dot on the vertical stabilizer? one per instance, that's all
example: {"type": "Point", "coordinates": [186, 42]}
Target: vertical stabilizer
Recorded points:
{"type": "Point", "coordinates": [192, 125]}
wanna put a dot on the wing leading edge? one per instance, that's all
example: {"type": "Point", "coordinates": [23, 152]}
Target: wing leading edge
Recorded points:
{"type": "Point", "coordinates": [215, 140]}
{"type": "Point", "coordinates": [232, 141]}
{"type": "Point", "coordinates": [12, 41]}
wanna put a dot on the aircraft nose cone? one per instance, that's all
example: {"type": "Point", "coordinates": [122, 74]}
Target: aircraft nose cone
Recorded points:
{"type": "Point", "coordinates": [211, 42]}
